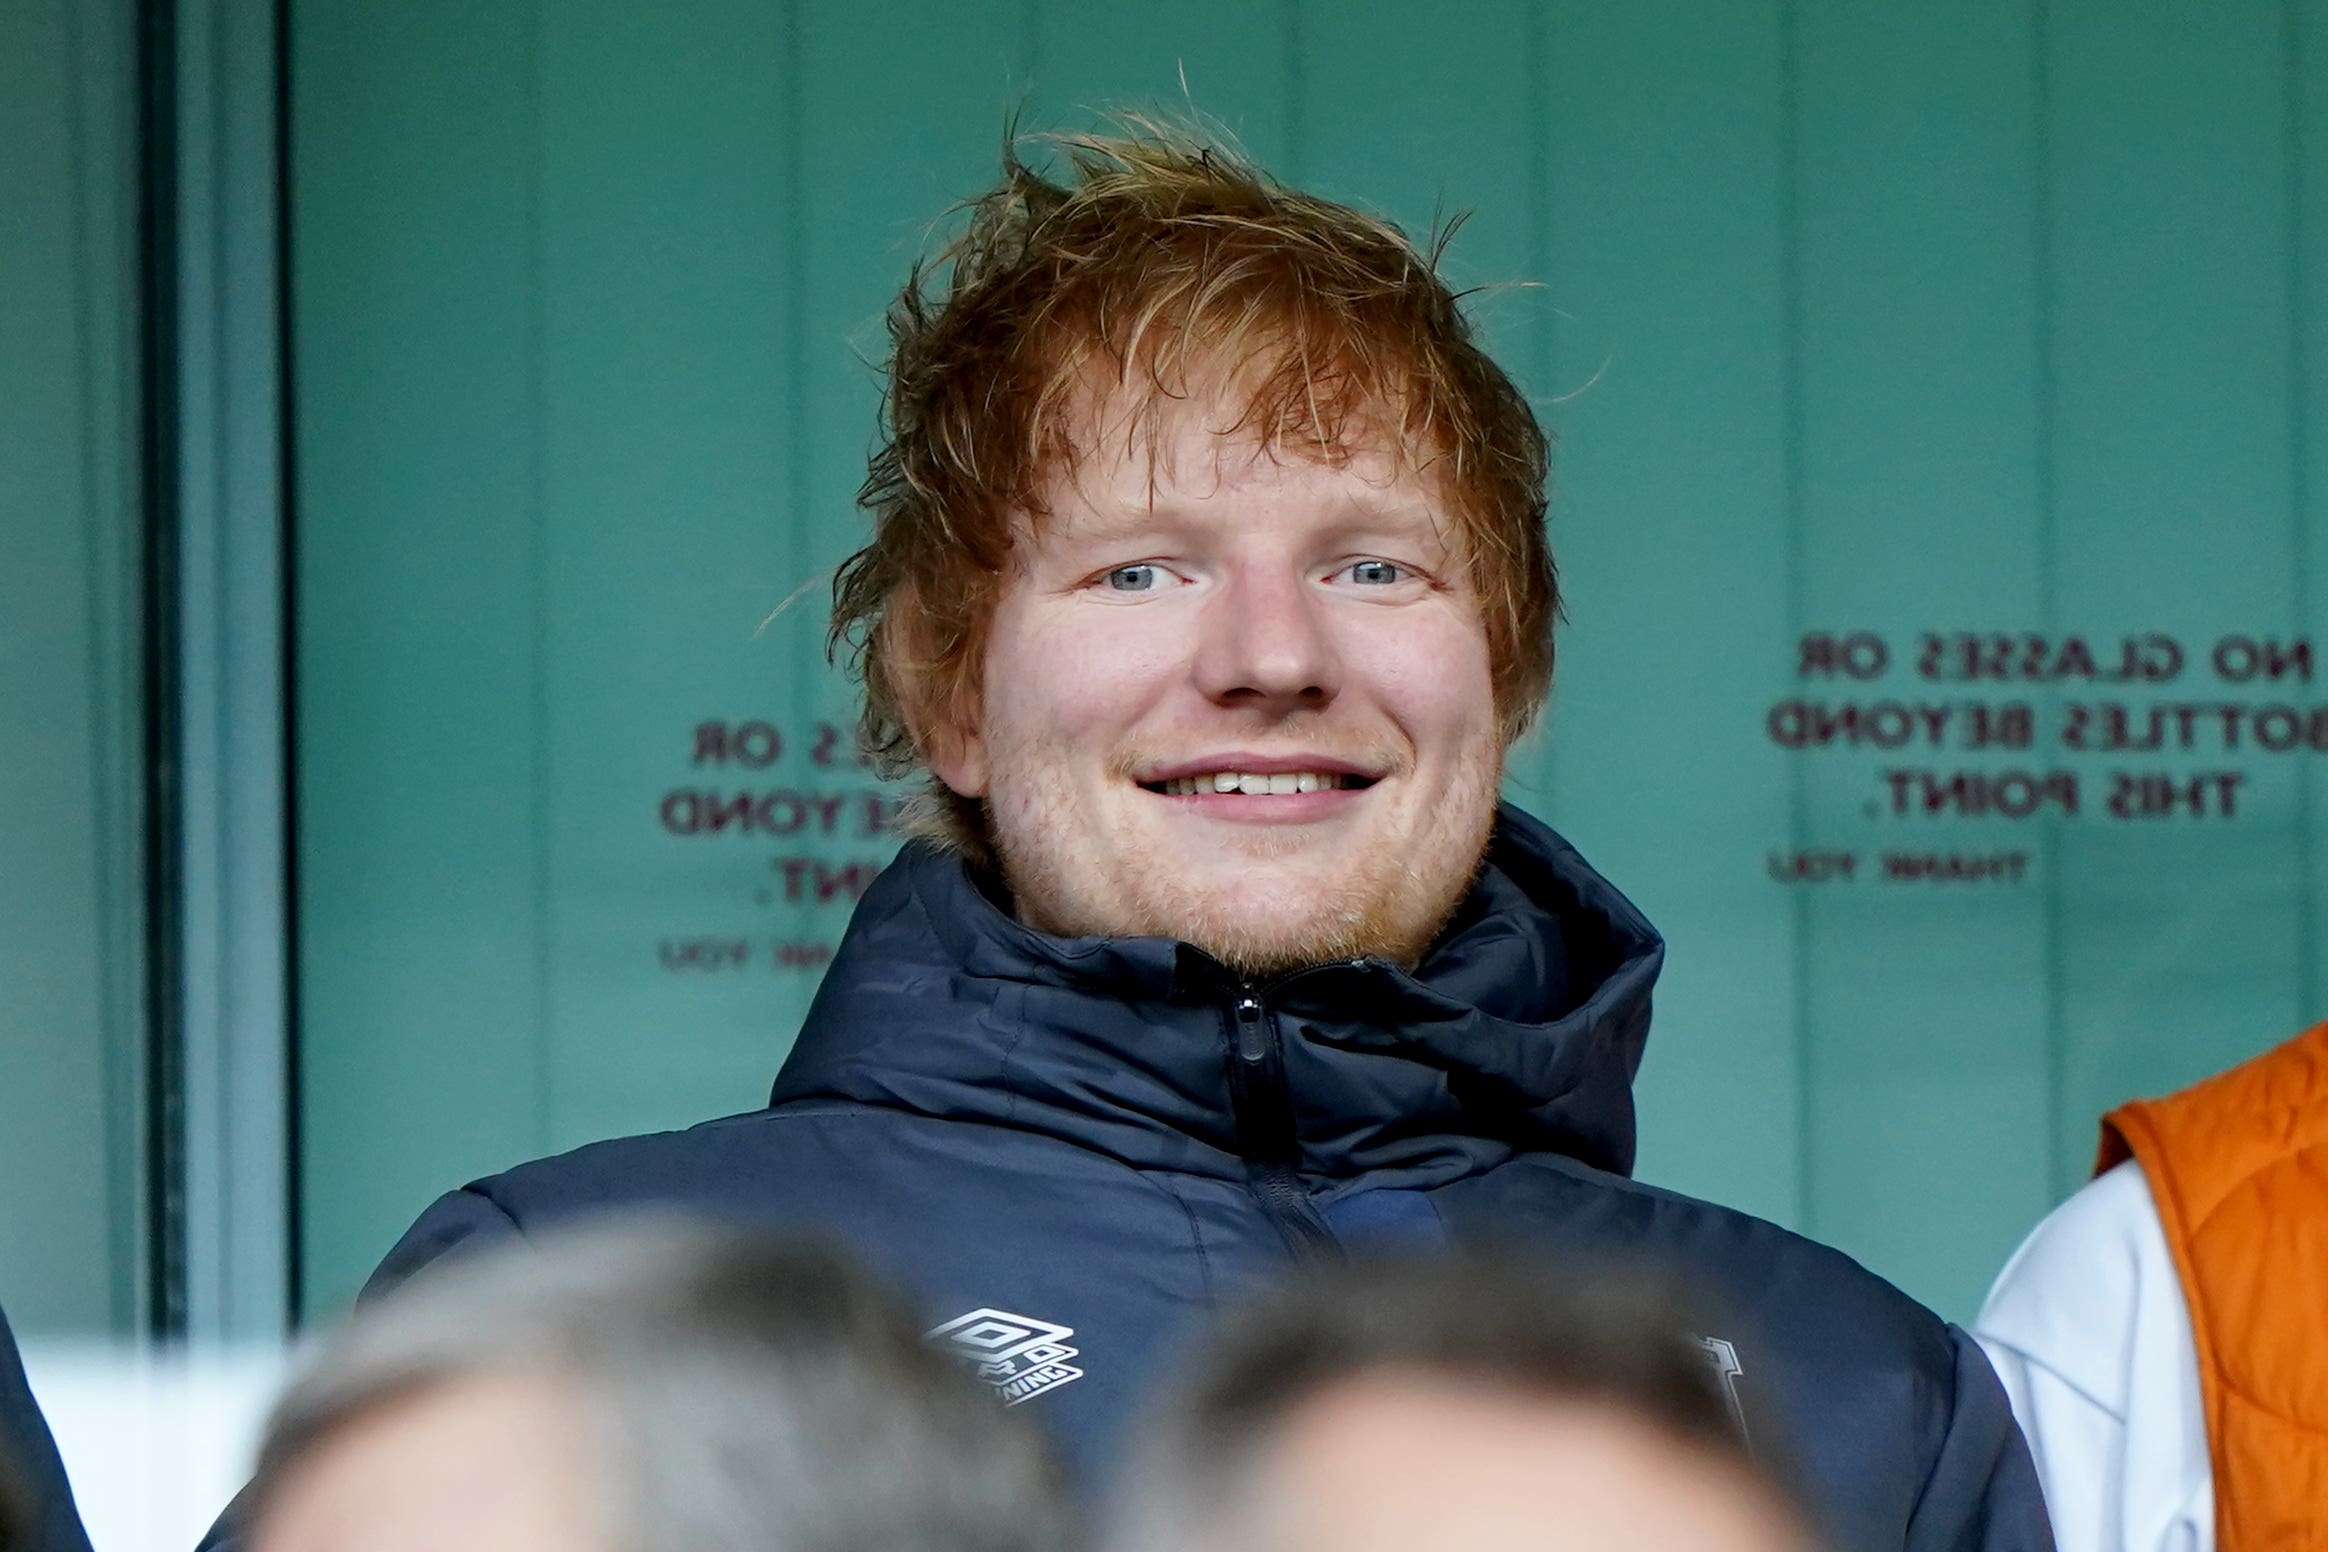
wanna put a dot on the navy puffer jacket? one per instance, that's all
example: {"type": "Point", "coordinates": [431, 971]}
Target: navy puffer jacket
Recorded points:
{"type": "Point", "coordinates": [1071, 1150]}
{"type": "Point", "coordinates": [35, 1490]}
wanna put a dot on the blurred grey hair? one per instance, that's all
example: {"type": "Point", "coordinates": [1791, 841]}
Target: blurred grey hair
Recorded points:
{"type": "Point", "coordinates": [746, 1395]}
{"type": "Point", "coordinates": [1622, 1337]}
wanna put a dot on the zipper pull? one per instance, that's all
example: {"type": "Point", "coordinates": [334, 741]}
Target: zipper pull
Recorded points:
{"type": "Point", "coordinates": [1252, 1029]}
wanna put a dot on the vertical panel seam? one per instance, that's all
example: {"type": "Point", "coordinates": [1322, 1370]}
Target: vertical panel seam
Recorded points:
{"type": "Point", "coordinates": [2300, 553]}
{"type": "Point", "coordinates": [536, 336]}
{"type": "Point", "coordinates": [2044, 477]}
{"type": "Point", "coordinates": [1793, 497]}
{"type": "Point", "coordinates": [795, 262]}
{"type": "Point", "coordinates": [158, 416]}
{"type": "Point", "coordinates": [217, 624]}
{"type": "Point", "coordinates": [1031, 40]}
{"type": "Point", "coordinates": [1295, 105]}
{"type": "Point", "coordinates": [98, 515]}
{"type": "Point", "coordinates": [1536, 64]}
{"type": "Point", "coordinates": [287, 661]}
{"type": "Point", "coordinates": [101, 729]}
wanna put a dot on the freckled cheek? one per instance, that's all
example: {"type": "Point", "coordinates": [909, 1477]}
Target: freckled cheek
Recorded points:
{"type": "Point", "coordinates": [1434, 683]}
{"type": "Point", "coordinates": [1082, 678]}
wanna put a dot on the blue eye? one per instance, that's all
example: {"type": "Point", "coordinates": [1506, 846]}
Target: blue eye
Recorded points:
{"type": "Point", "coordinates": [1132, 579]}
{"type": "Point", "coordinates": [1376, 573]}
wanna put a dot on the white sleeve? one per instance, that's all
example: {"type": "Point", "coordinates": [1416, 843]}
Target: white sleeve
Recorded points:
{"type": "Point", "coordinates": [2089, 1332]}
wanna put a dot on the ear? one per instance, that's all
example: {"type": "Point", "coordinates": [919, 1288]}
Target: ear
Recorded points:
{"type": "Point", "coordinates": [956, 755]}
{"type": "Point", "coordinates": [945, 732]}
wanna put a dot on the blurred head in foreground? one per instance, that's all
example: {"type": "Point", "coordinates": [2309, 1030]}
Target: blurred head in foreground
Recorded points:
{"type": "Point", "coordinates": [1389, 1407]}
{"type": "Point", "coordinates": [647, 1386]}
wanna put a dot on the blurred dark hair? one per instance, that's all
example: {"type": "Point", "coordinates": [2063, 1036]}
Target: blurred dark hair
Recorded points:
{"type": "Point", "coordinates": [1622, 1337]}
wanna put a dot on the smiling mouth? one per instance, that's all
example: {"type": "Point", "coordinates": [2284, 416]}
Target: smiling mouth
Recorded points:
{"type": "Point", "coordinates": [1258, 783]}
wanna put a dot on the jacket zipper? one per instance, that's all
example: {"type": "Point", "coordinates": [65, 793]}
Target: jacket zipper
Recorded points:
{"type": "Point", "coordinates": [1265, 1130]}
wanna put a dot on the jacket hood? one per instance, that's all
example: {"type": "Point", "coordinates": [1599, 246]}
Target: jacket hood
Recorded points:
{"type": "Point", "coordinates": [1521, 1030]}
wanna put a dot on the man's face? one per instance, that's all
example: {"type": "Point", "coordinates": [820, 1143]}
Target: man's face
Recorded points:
{"type": "Point", "coordinates": [1389, 1462]}
{"type": "Point", "coordinates": [1238, 699]}
{"type": "Point", "coordinates": [495, 1463]}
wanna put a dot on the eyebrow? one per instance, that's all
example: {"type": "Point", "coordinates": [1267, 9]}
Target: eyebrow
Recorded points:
{"type": "Point", "coordinates": [1107, 521]}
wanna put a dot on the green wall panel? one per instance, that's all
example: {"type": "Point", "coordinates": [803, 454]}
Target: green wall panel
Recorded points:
{"type": "Point", "coordinates": [1913, 223]}
{"type": "Point", "coordinates": [2007, 317]}
{"type": "Point", "coordinates": [423, 766]}
{"type": "Point", "coordinates": [2305, 102]}
{"type": "Point", "coordinates": [71, 916]}
{"type": "Point", "coordinates": [1235, 63]}
{"type": "Point", "coordinates": [2180, 943]}
{"type": "Point", "coordinates": [1668, 390]}
{"type": "Point", "coordinates": [664, 306]}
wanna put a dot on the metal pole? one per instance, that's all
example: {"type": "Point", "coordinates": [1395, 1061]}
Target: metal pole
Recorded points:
{"type": "Point", "coordinates": [233, 915]}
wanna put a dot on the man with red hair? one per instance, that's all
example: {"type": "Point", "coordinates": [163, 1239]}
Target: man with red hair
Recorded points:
{"type": "Point", "coordinates": [1208, 586]}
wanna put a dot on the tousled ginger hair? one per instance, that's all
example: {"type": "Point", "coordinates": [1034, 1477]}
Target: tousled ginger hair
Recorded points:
{"type": "Point", "coordinates": [1156, 269]}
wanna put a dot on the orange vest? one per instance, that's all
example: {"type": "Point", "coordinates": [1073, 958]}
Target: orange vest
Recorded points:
{"type": "Point", "coordinates": [2239, 1167]}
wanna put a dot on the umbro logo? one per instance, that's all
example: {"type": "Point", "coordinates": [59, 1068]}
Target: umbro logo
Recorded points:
{"type": "Point", "coordinates": [1723, 1359]}
{"type": "Point", "coordinates": [1020, 1356]}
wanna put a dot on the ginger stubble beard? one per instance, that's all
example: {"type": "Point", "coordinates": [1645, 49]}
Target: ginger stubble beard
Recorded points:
{"type": "Point", "coordinates": [1073, 712]}
{"type": "Point", "coordinates": [1387, 899]}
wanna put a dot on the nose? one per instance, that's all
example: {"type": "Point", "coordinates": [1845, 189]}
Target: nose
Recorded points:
{"type": "Point", "coordinates": [1266, 644]}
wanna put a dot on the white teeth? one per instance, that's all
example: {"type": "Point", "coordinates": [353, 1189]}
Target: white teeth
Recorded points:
{"type": "Point", "coordinates": [1254, 783]}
